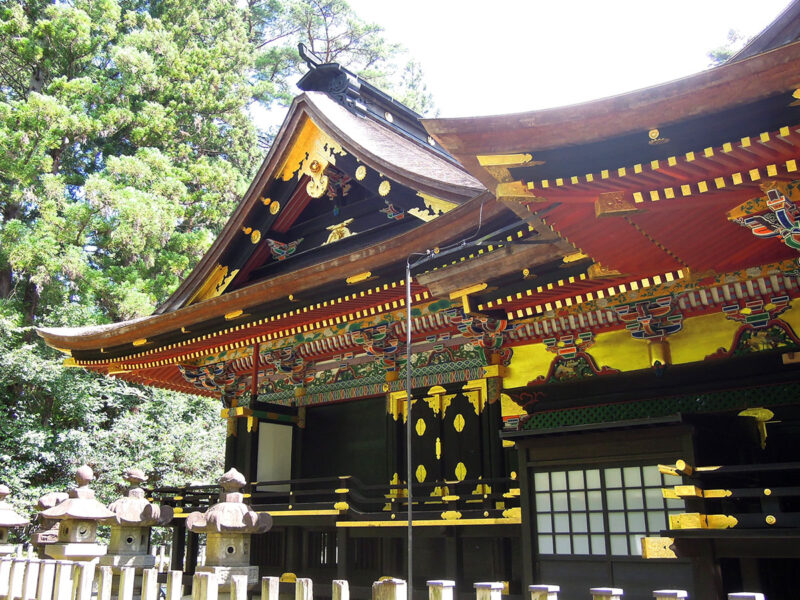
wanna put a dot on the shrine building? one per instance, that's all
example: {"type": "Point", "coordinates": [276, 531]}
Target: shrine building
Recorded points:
{"type": "Point", "coordinates": [605, 310]}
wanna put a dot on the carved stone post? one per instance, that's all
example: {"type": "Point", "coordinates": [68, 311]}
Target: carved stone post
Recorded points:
{"type": "Point", "coordinates": [79, 516]}
{"type": "Point", "coordinates": [488, 590]}
{"type": "Point", "coordinates": [130, 526]}
{"type": "Point", "coordinates": [229, 524]}
{"type": "Point", "coordinates": [389, 589]}
{"type": "Point", "coordinates": [441, 589]}
{"type": "Point", "coordinates": [544, 592]}
{"type": "Point", "coordinates": [8, 518]}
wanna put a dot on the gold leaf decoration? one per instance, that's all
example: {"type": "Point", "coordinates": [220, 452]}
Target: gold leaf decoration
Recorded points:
{"type": "Point", "coordinates": [384, 188]}
{"type": "Point", "coordinates": [338, 232]}
{"type": "Point", "coordinates": [458, 423]}
{"type": "Point", "coordinates": [421, 473]}
{"type": "Point", "coordinates": [420, 427]}
{"type": "Point", "coordinates": [461, 471]}
{"type": "Point", "coordinates": [255, 237]}
{"type": "Point", "coordinates": [361, 172]}
{"type": "Point", "coordinates": [274, 207]}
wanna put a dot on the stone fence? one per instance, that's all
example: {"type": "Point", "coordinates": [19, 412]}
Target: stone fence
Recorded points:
{"type": "Point", "coordinates": [72, 565]}
{"type": "Point", "coordinates": [27, 578]}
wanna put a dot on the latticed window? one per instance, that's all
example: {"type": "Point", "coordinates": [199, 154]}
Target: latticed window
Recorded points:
{"type": "Point", "coordinates": [603, 511]}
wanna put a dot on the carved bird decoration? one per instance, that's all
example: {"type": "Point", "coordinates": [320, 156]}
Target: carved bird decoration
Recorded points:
{"type": "Point", "coordinates": [281, 250]}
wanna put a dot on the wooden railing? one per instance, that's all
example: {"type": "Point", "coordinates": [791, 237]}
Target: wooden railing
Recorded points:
{"type": "Point", "coordinates": [25, 578]}
{"type": "Point", "coordinates": [470, 498]}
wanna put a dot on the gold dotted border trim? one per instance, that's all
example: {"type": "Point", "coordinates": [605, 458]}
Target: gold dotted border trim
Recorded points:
{"type": "Point", "coordinates": [539, 309]}
{"type": "Point", "coordinates": [491, 248]}
{"type": "Point", "coordinates": [321, 323]}
{"type": "Point", "coordinates": [701, 187]}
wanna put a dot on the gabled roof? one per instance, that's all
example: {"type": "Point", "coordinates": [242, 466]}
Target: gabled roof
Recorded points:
{"type": "Point", "coordinates": [431, 199]}
{"type": "Point", "coordinates": [401, 158]}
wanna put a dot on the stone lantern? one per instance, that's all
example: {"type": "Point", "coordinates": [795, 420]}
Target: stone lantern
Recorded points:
{"type": "Point", "coordinates": [47, 529]}
{"type": "Point", "coordinates": [228, 526]}
{"type": "Point", "coordinates": [133, 517]}
{"type": "Point", "coordinates": [8, 518]}
{"type": "Point", "coordinates": [78, 518]}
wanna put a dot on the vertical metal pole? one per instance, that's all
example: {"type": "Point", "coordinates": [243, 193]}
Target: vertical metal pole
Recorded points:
{"type": "Point", "coordinates": [410, 587]}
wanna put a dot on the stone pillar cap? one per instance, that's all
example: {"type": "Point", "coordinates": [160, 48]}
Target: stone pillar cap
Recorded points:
{"type": "Point", "coordinates": [231, 514]}
{"type": "Point", "coordinates": [606, 591]}
{"type": "Point", "coordinates": [134, 509]}
{"type": "Point", "coordinates": [232, 481]}
{"type": "Point", "coordinates": [492, 585]}
{"type": "Point", "coordinates": [134, 476]}
{"type": "Point", "coordinates": [8, 516]}
{"type": "Point", "coordinates": [442, 582]}
{"type": "Point", "coordinates": [544, 588]}
{"type": "Point", "coordinates": [81, 503]}
{"type": "Point", "coordinates": [50, 499]}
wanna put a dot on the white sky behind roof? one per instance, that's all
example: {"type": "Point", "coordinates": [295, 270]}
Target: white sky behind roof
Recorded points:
{"type": "Point", "coordinates": [498, 56]}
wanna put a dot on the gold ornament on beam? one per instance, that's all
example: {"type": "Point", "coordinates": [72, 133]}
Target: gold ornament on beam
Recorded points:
{"type": "Point", "coordinates": [361, 172]}
{"type": "Point", "coordinates": [311, 144]}
{"type": "Point", "coordinates": [614, 203]}
{"type": "Point", "coordinates": [318, 183]}
{"type": "Point", "coordinates": [762, 416]}
{"type": "Point", "coordinates": [655, 138]}
{"type": "Point", "coordinates": [338, 232]}
{"type": "Point", "coordinates": [658, 547]}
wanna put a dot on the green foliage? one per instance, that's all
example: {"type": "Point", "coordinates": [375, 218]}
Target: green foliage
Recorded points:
{"type": "Point", "coordinates": [721, 54]}
{"type": "Point", "coordinates": [125, 143]}
{"type": "Point", "coordinates": [52, 420]}
{"type": "Point", "coordinates": [332, 31]}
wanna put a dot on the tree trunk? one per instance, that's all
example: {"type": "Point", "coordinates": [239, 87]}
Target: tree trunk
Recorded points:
{"type": "Point", "coordinates": [37, 81]}
{"type": "Point", "coordinates": [30, 304]}
{"type": "Point", "coordinates": [6, 283]}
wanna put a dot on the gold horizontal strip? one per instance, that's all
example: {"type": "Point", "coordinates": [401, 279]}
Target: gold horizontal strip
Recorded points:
{"type": "Point", "coordinates": [304, 513]}
{"type": "Point", "coordinates": [431, 522]}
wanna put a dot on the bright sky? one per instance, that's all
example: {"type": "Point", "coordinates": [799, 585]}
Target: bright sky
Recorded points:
{"type": "Point", "coordinates": [498, 56]}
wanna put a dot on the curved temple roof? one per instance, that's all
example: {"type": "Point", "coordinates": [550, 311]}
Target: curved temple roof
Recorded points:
{"type": "Point", "coordinates": [642, 195]}
{"type": "Point", "coordinates": [725, 87]}
{"type": "Point", "coordinates": [386, 150]}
